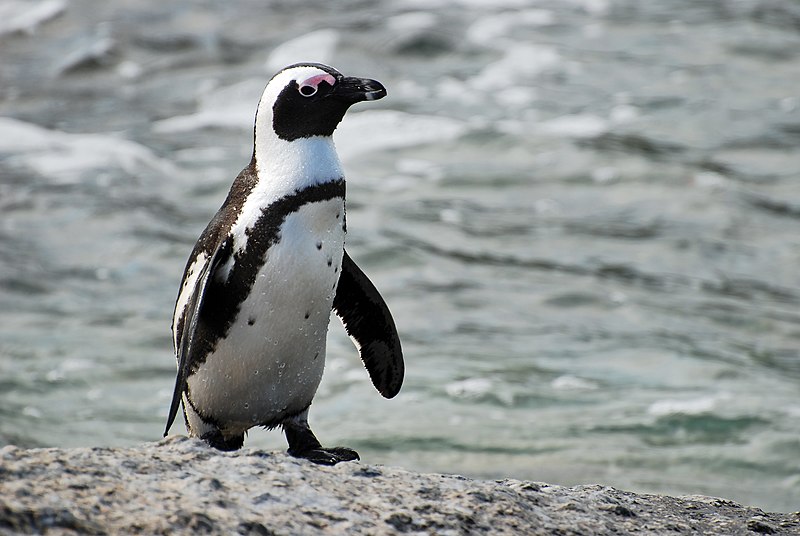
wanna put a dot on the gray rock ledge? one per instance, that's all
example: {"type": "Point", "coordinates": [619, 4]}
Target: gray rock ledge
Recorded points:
{"type": "Point", "coordinates": [180, 486]}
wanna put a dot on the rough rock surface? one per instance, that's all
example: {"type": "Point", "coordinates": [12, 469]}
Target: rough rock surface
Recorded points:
{"type": "Point", "coordinates": [180, 486]}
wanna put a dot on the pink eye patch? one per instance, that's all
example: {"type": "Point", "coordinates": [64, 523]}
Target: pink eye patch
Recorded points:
{"type": "Point", "coordinates": [310, 86]}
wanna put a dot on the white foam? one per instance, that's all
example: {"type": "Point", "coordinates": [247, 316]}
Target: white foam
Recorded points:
{"type": "Point", "coordinates": [232, 107]}
{"type": "Point", "coordinates": [519, 64]}
{"type": "Point", "coordinates": [484, 4]}
{"type": "Point", "coordinates": [451, 215]}
{"type": "Point", "coordinates": [624, 113]}
{"type": "Point", "coordinates": [572, 383]}
{"type": "Point", "coordinates": [376, 130]}
{"type": "Point", "coordinates": [604, 174]}
{"type": "Point", "coordinates": [416, 166]}
{"type": "Point", "coordinates": [494, 29]}
{"type": "Point", "coordinates": [24, 16]}
{"type": "Point", "coordinates": [469, 388]}
{"type": "Point", "coordinates": [692, 406]}
{"type": "Point", "coordinates": [516, 97]}
{"type": "Point", "coordinates": [454, 90]}
{"type": "Point", "coordinates": [235, 116]}
{"type": "Point", "coordinates": [129, 69]}
{"type": "Point", "coordinates": [89, 50]}
{"type": "Point", "coordinates": [792, 411]}
{"type": "Point", "coordinates": [709, 179]}
{"type": "Point", "coordinates": [68, 366]}
{"type": "Point", "coordinates": [410, 90]}
{"type": "Point", "coordinates": [788, 104]}
{"type": "Point", "coordinates": [18, 136]}
{"type": "Point", "coordinates": [201, 155]}
{"type": "Point", "coordinates": [317, 46]}
{"type": "Point", "coordinates": [575, 126]}
{"type": "Point", "coordinates": [32, 412]}
{"type": "Point", "coordinates": [65, 157]}
{"type": "Point", "coordinates": [414, 21]}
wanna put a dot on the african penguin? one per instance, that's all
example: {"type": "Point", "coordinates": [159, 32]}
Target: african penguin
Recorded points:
{"type": "Point", "coordinates": [254, 305]}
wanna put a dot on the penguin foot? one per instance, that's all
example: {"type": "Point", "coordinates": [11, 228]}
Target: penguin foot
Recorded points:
{"type": "Point", "coordinates": [217, 440]}
{"type": "Point", "coordinates": [329, 456]}
{"type": "Point", "coordinates": [303, 443]}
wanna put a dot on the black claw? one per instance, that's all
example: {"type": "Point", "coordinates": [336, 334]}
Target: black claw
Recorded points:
{"type": "Point", "coordinates": [330, 456]}
{"type": "Point", "coordinates": [345, 454]}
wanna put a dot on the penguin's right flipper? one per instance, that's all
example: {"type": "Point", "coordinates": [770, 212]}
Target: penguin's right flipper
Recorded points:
{"type": "Point", "coordinates": [191, 316]}
{"type": "Point", "coordinates": [368, 322]}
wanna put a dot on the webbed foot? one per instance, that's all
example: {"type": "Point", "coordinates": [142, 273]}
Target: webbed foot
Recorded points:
{"type": "Point", "coordinates": [303, 443]}
{"type": "Point", "coordinates": [329, 456]}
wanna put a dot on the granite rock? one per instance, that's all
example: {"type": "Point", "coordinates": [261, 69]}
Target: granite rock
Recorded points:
{"type": "Point", "coordinates": [180, 486]}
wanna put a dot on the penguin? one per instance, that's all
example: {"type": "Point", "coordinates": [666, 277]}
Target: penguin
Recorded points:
{"type": "Point", "coordinates": [253, 308]}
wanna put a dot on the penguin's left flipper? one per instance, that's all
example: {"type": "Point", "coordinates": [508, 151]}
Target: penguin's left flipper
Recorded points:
{"type": "Point", "coordinates": [191, 317]}
{"type": "Point", "coordinates": [368, 322]}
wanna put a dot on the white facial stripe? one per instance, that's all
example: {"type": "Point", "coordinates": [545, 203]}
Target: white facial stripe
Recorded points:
{"type": "Point", "coordinates": [276, 85]}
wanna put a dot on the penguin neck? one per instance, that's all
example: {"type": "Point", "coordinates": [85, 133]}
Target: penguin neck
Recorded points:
{"type": "Point", "coordinates": [284, 167]}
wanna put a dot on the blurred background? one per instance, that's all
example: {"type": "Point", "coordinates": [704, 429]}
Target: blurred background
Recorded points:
{"type": "Point", "coordinates": [584, 215]}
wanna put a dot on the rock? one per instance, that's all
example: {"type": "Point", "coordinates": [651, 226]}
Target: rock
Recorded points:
{"type": "Point", "coordinates": [181, 486]}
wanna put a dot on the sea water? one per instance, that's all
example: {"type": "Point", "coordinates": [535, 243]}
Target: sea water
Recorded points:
{"type": "Point", "coordinates": [584, 216]}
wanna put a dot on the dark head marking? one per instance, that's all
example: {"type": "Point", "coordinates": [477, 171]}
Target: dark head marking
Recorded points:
{"type": "Point", "coordinates": [310, 99]}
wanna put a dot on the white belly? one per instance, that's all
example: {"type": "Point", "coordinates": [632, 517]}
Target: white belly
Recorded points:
{"type": "Point", "coordinates": [270, 364]}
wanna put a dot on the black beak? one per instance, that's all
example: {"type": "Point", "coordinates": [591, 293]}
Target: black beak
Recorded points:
{"type": "Point", "coordinates": [354, 90]}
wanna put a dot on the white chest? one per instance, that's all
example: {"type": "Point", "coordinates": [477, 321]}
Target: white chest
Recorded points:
{"type": "Point", "coordinates": [271, 361]}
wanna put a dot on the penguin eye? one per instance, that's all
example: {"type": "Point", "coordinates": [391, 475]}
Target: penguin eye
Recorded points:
{"type": "Point", "coordinates": [310, 86]}
{"type": "Point", "coordinates": [307, 91]}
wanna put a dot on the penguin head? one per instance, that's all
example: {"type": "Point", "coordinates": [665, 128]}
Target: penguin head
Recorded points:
{"type": "Point", "coordinates": [310, 99]}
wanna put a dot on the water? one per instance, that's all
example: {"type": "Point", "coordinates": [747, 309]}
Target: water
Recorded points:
{"type": "Point", "coordinates": [584, 216]}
